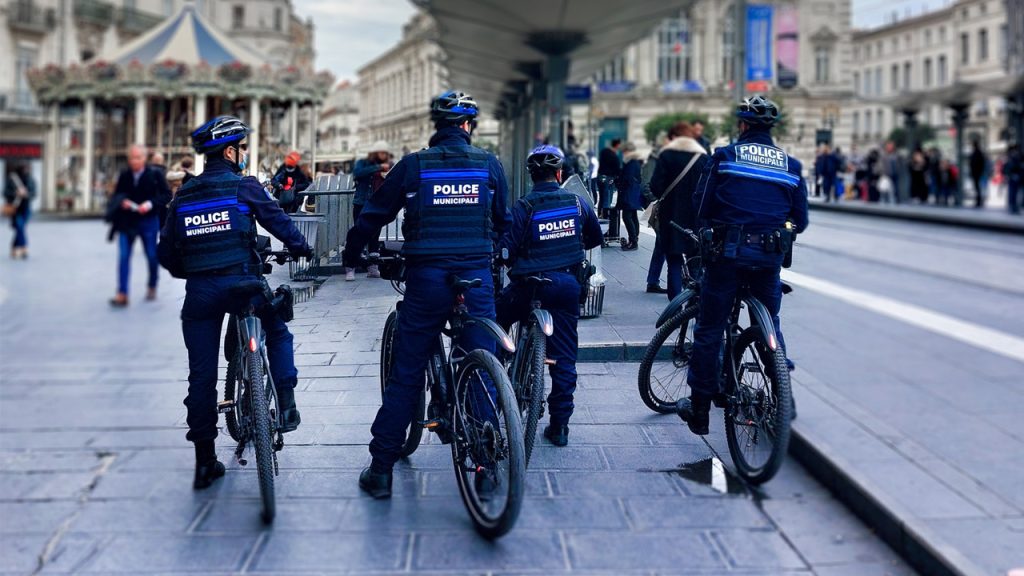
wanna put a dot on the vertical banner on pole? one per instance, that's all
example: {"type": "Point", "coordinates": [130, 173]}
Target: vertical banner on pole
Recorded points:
{"type": "Point", "coordinates": [787, 46]}
{"type": "Point", "coordinates": [759, 44]}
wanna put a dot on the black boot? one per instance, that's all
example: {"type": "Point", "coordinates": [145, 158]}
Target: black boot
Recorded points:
{"type": "Point", "coordinates": [290, 418]}
{"type": "Point", "coordinates": [558, 435]}
{"type": "Point", "coordinates": [696, 412]}
{"type": "Point", "coordinates": [375, 484]}
{"type": "Point", "coordinates": [208, 468]}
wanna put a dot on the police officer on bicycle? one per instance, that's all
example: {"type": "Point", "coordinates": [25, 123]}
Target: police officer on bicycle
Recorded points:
{"type": "Point", "coordinates": [748, 193]}
{"type": "Point", "coordinates": [550, 230]}
{"type": "Point", "coordinates": [454, 195]}
{"type": "Point", "coordinates": [209, 239]}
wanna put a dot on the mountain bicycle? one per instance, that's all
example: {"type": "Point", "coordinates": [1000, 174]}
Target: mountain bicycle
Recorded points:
{"type": "Point", "coordinates": [472, 408]}
{"type": "Point", "coordinates": [250, 401]}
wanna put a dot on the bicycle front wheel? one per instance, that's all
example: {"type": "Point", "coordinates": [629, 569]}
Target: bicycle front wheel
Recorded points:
{"type": "Point", "coordinates": [662, 381]}
{"type": "Point", "coordinates": [757, 420]}
{"type": "Point", "coordinates": [529, 386]}
{"type": "Point", "coordinates": [387, 359]}
{"type": "Point", "coordinates": [490, 462]}
{"type": "Point", "coordinates": [263, 429]}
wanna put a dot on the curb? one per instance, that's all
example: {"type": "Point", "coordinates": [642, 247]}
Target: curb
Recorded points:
{"type": "Point", "coordinates": [609, 352]}
{"type": "Point", "coordinates": [934, 216]}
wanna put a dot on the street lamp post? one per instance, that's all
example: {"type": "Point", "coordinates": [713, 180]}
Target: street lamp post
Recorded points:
{"type": "Point", "coordinates": [960, 122]}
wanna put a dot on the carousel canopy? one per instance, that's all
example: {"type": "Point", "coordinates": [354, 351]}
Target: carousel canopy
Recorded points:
{"type": "Point", "coordinates": [187, 38]}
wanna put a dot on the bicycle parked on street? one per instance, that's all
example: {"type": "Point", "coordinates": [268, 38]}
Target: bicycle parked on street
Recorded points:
{"type": "Point", "coordinates": [482, 425]}
{"type": "Point", "coordinates": [250, 399]}
{"type": "Point", "coordinates": [756, 394]}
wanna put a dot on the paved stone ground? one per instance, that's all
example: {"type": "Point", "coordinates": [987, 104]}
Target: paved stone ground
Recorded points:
{"type": "Point", "coordinates": [95, 473]}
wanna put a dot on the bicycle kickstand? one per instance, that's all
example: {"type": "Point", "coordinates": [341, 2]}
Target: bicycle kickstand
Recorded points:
{"type": "Point", "coordinates": [238, 454]}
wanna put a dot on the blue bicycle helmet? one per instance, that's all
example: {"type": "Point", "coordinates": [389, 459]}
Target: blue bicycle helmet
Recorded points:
{"type": "Point", "coordinates": [218, 133]}
{"type": "Point", "coordinates": [453, 108]}
{"type": "Point", "coordinates": [758, 111]}
{"type": "Point", "coordinates": [545, 157]}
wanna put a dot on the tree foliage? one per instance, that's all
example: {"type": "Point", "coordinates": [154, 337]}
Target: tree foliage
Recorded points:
{"type": "Point", "coordinates": [663, 122]}
{"type": "Point", "coordinates": [922, 133]}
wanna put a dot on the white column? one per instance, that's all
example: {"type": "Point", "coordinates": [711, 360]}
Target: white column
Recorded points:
{"type": "Point", "coordinates": [89, 153]}
{"type": "Point", "coordinates": [51, 158]}
{"type": "Point", "coordinates": [314, 114]}
{"type": "Point", "coordinates": [255, 115]}
{"type": "Point", "coordinates": [199, 113]}
{"type": "Point", "coordinates": [141, 108]}
{"type": "Point", "coordinates": [293, 118]}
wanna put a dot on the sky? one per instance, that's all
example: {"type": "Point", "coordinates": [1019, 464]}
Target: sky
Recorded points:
{"type": "Point", "coordinates": [350, 33]}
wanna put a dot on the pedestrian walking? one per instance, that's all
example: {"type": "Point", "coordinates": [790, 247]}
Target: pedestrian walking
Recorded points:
{"type": "Point", "coordinates": [369, 177]}
{"type": "Point", "coordinates": [979, 167]}
{"type": "Point", "coordinates": [674, 182]}
{"type": "Point", "coordinates": [19, 192]}
{"type": "Point", "coordinates": [919, 177]}
{"type": "Point", "coordinates": [134, 213]}
{"type": "Point", "coordinates": [891, 174]}
{"type": "Point", "coordinates": [630, 195]}
{"type": "Point", "coordinates": [698, 135]}
{"type": "Point", "coordinates": [657, 263]}
{"type": "Point", "coordinates": [1013, 169]}
{"type": "Point", "coordinates": [947, 180]}
{"type": "Point", "coordinates": [609, 168]}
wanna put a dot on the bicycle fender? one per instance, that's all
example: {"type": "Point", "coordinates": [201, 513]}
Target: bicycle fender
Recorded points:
{"type": "Point", "coordinates": [544, 320]}
{"type": "Point", "coordinates": [252, 329]}
{"type": "Point", "coordinates": [675, 306]}
{"type": "Point", "coordinates": [495, 331]}
{"type": "Point", "coordinates": [760, 317]}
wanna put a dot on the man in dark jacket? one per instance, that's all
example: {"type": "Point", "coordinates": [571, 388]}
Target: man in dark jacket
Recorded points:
{"type": "Point", "coordinates": [209, 239]}
{"type": "Point", "coordinates": [140, 198]}
{"type": "Point", "coordinates": [455, 200]}
{"type": "Point", "coordinates": [1013, 170]}
{"type": "Point", "coordinates": [749, 189]}
{"type": "Point", "coordinates": [608, 169]}
{"type": "Point", "coordinates": [20, 191]}
{"type": "Point", "coordinates": [366, 172]}
{"type": "Point", "coordinates": [289, 181]}
{"type": "Point", "coordinates": [979, 166]}
{"type": "Point", "coordinates": [631, 195]}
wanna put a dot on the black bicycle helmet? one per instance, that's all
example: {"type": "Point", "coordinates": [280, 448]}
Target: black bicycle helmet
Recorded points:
{"type": "Point", "coordinates": [453, 108]}
{"type": "Point", "coordinates": [218, 133]}
{"type": "Point", "coordinates": [758, 111]}
{"type": "Point", "coordinates": [545, 157]}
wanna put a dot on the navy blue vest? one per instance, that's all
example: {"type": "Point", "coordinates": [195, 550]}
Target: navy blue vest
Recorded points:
{"type": "Point", "coordinates": [554, 235]}
{"type": "Point", "coordinates": [451, 211]}
{"type": "Point", "coordinates": [213, 229]}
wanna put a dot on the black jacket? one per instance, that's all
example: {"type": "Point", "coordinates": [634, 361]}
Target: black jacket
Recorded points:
{"type": "Point", "coordinates": [677, 203]}
{"type": "Point", "coordinates": [609, 163]}
{"type": "Point", "coordinates": [151, 187]}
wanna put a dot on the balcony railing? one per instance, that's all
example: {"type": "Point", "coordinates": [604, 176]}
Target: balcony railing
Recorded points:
{"type": "Point", "coordinates": [28, 16]}
{"type": "Point", "coordinates": [20, 103]}
{"type": "Point", "coordinates": [133, 21]}
{"type": "Point", "coordinates": [94, 12]}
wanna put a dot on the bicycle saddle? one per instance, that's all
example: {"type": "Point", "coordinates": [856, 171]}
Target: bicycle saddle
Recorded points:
{"type": "Point", "coordinates": [461, 286]}
{"type": "Point", "coordinates": [247, 288]}
{"type": "Point", "coordinates": [537, 280]}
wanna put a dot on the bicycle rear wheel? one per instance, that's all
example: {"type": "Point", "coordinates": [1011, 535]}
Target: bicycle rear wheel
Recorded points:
{"type": "Point", "coordinates": [233, 384]}
{"type": "Point", "coordinates": [490, 463]}
{"type": "Point", "coordinates": [387, 359]}
{"type": "Point", "coordinates": [757, 420]}
{"type": "Point", "coordinates": [263, 429]}
{"type": "Point", "coordinates": [662, 382]}
{"type": "Point", "coordinates": [529, 386]}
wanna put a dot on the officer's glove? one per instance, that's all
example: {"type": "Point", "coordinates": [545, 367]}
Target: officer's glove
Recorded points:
{"type": "Point", "coordinates": [304, 252]}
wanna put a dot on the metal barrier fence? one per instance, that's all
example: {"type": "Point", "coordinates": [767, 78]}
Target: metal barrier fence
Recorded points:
{"type": "Point", "coordinates": [326, 226]}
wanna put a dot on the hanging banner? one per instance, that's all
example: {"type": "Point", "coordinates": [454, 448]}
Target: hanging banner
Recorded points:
{"type": "Point", "coordinates": [759, 43]}
{"type": "Point", "coordinates": [787, 46]}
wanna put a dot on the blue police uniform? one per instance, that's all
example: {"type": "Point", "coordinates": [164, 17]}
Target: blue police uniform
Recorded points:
{"type": "Point", "coordinates": [208, 239]}
{"type": "Point", "coordinates": [454, 196]}
{"type": "Point", "coordinates": [550, 230]}
{"type": "Point", "coordinates": [754, 185]}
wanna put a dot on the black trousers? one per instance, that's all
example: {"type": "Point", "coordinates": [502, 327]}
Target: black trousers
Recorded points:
{"type": "Point", "coordinates": [632, 223]}
{"type": "Point", "coordinates": [373, 245]}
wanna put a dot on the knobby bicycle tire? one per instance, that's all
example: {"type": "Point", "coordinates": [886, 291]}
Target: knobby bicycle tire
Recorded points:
{"type": "Point", "coordinates": [234, 357]}
{"type": "Point", "coordinates": [262, 441]}
{"type": "Point", "coordinates": [531, 387]}
{"type": "Point", "coordinates": [658, 396]}
{"type": "Point", "coordinates": [497, 525]}
{"type": "Point", "coordinates": [387, 358]}
{"type": "Point", "coordinates": [777, 404]}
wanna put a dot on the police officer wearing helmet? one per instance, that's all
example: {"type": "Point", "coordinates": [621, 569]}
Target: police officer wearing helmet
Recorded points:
{"type": "Point", "coordinates": [209, 239]}
{"type": "Point", "coordinates": [550, 230]}
{"type": "Point", "coordinates": [748, 191]}
{"type": "Point", "coordinates": [454, 195]}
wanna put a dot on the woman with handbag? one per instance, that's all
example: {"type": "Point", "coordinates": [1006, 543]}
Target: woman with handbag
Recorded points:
{"type": "Point", "coordinates": [19, 191]}
{"type": "Point", "coordinates": [630, 197]}
{"type": "Point", "coordinates": [680, 165]}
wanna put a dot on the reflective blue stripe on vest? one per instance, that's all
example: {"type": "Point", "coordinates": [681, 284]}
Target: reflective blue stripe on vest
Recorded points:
{"type": "Point", "coordinates": [756, 173]}
{"type": "Point", "coordinates": [554, 235]}
{"type": "Point", "coordinates": [213, 229]}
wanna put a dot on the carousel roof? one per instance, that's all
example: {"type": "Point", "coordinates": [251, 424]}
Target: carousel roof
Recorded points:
{"type": "Point", "coordinates": [187, 38]}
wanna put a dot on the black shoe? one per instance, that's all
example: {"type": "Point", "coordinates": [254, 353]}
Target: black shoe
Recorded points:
{"type": "Point", "coordinates": [696, 414]}
{"type": "Point", "coordinates": [629, 246]}
{"type": "Point", "coordinates": [720, 400]}
{"type": "Point", "coordinates": [206, 474]}
{"type": "Point", "coordinates": [376, 485]}
{"type": "Point", "coordinates": [290, 418]}
{"type": "Point", "coordinates": [655, 289]}
{"type": "Point", "coordinates": [558, 435]}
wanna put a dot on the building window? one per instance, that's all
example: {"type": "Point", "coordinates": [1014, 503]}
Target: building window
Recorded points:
{"type": "Point", "coordinates": [822, 65]}
{"type": "Point", "coordinates": [878, 80]}
{"type": "Point", "coordinates": [237, 16]}
{"type": "Point", "coordinates": [278, 19]}
{"type": "Point", "coordinates": [856, 53]}
{"type": "Point", "coordinates": [965, 48]}
{"type": "Point", "coordinates": [984, 8]}
{"type": "Point", "coordinates": [867, 82]}
{"type": "Point", "coordinates": [856, 81]}
{"type": "Point", "coordinates": [894, 78]}
{"type": "Point", "coordinates": [943, 73]}
{"type": "Point", "coordinates": [867, 52]}
{"type": "Point", "coordinates": [907, 42]}
{"type": "Point", "coordinates": [728, 44]}
{"type": "Point", "coordinates": [129, 4]}
{"type": "Point", "coordinates": [895, 45]}
{"type": "Point", "coordinates": [942, 34]}
{"type": "Point", "coordinates": [983, 44]}
{"type": "Point", "coordinates": [613, 71]}
{"type": "Point", "coordinates": [856, 123]}
{"type": "Point", "coordinates": [906, 76]}
{"type": "Point", "coordinates": [168, 7]}
{"type": "Point", "coordinates": [674, 49]}
{"type": "Point", "coordinates": [878, 122]}
{"type": "Point", "coordinates": [927, 72]}
{"type": "Point", "coordinates": [1004, 45]}
{"type": "Point", "coordinates": [928, 37]}
{"type": "Point", "coordinates": [24, 61]}
{"type": "Point", "coordinates": [867, 122]}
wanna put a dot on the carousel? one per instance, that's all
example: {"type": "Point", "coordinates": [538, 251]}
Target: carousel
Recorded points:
{"type": "Point", "coordinates": [154, 91]}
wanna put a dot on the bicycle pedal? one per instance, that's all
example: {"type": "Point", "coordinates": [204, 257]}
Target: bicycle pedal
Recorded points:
{"type": "Point", "coordinates": [225, 406]}
{"type": "Point", "coordinates": [433, 424]}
